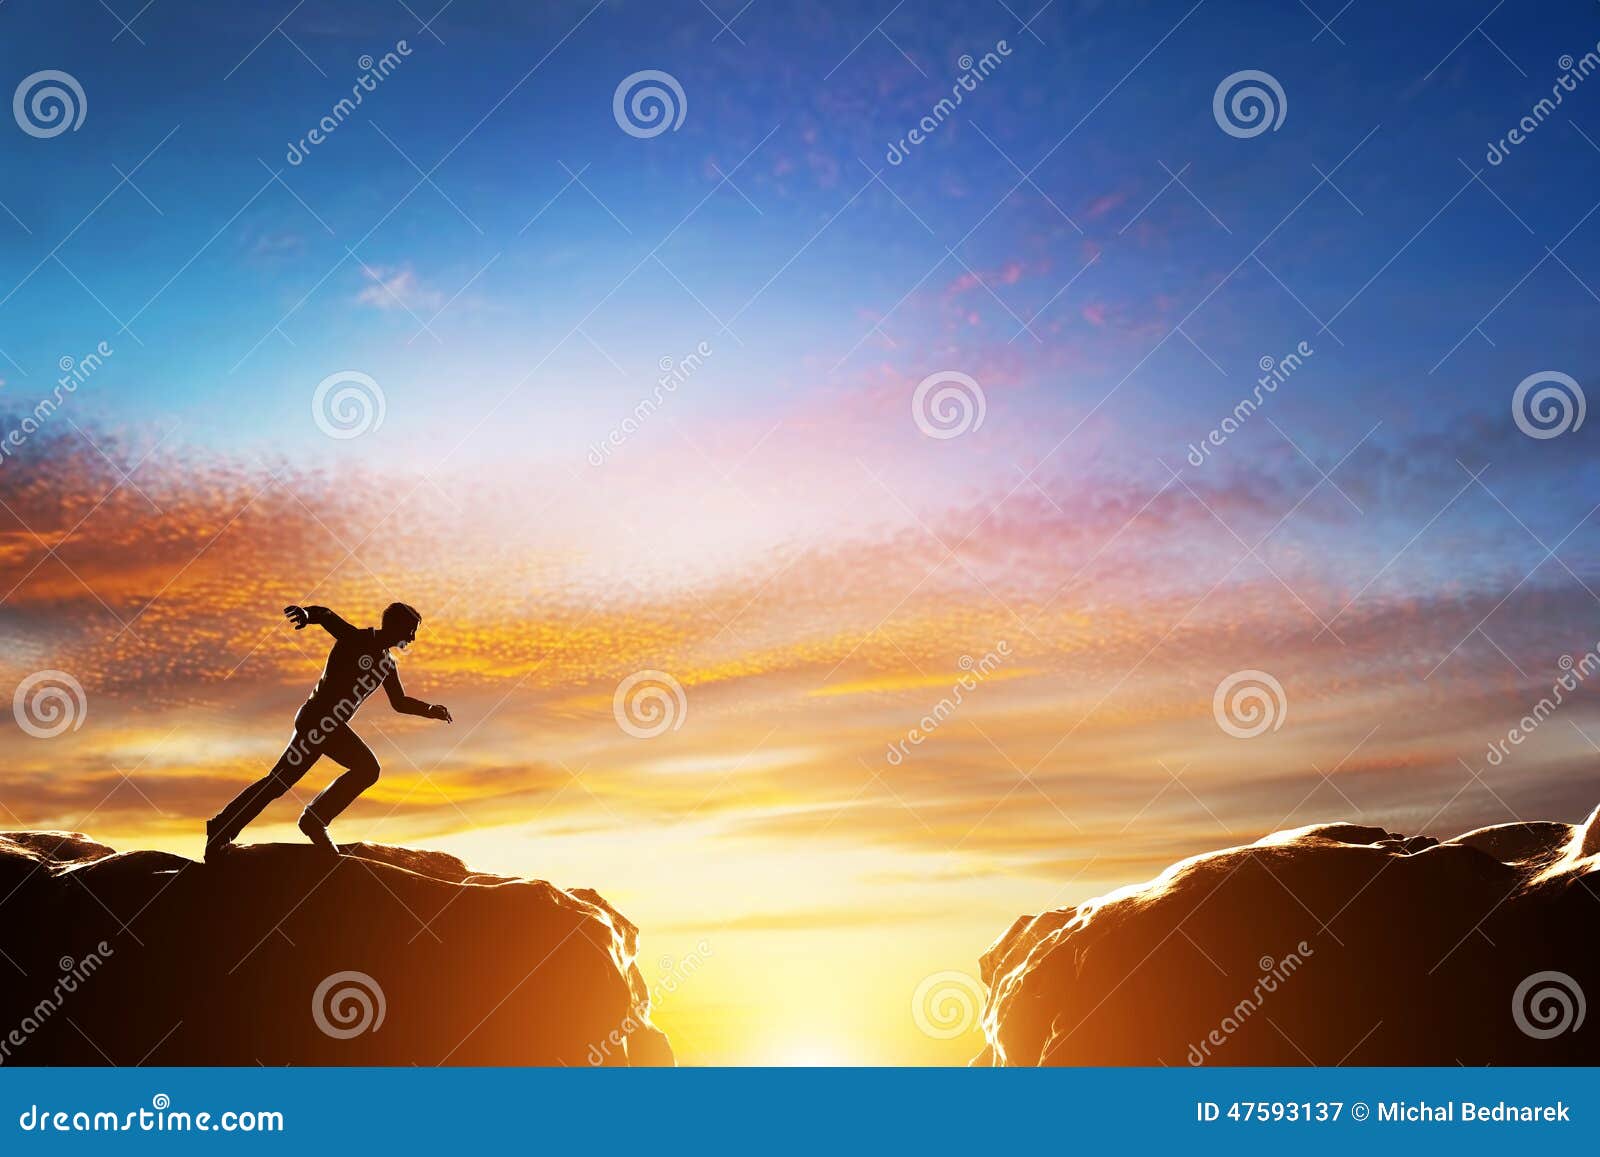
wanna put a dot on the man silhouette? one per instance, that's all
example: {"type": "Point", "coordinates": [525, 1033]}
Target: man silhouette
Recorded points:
{"type": "Point", "coordinates": [359, 663]}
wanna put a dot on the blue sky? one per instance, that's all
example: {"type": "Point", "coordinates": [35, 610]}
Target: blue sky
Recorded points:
{"type": "Point", "coordinates": [1429, 100]}
{"type": "Point", "coordinates": [1080, 237]}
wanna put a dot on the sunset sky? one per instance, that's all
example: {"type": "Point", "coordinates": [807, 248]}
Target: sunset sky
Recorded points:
{"type": "Point", "coordinates": [1080, 237]}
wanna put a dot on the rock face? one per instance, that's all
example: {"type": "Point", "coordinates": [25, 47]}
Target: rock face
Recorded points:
{"type": "Point", "coordinates": [1325, 945]}
{"type": "Point", "coordinates": [277, 955]}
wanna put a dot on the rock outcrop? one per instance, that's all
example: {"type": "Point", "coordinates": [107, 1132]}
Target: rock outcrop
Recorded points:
{"type": "Point", "coordinates": [278, 955]}
{"type": "Point", "coordinates": [1335, 944]}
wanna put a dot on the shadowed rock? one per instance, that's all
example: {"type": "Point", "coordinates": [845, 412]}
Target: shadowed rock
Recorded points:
{"type": "Point", "coordinates": [1325, 945]}
{"type": "Point", "coordinates": [278, 955]}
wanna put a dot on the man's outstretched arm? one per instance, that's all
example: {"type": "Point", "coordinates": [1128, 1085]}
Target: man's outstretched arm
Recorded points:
{"type": "Point", "coordinates": [322, 616]}
{"type": "Point", "coordinates": [408, 705]}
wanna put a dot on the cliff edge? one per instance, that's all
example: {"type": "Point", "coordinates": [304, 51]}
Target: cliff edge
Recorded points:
{"type": "Point", "coordinates": [278, 955]}
{"type": "Point", "coordinates": [1325, 945]}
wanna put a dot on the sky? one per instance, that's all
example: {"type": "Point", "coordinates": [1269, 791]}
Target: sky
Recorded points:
{"type": "Point", "coordinates": [832, 431]}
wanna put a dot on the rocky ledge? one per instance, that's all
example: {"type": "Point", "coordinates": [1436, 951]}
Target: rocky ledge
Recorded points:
{"type": "Point", "coordinates": [278, 955]}
{"type": "Point", "coordinates": [1332, 944]}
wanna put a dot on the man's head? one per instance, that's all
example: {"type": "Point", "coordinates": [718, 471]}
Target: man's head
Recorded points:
{"type": "Point", "coordinates": [400, 623]}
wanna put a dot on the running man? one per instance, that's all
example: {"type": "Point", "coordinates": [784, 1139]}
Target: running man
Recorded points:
{"type": "Point", "coordinates": [359, 663]}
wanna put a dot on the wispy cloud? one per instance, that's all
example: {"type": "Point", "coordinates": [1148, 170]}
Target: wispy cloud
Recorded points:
{"type": "Point", "coordinates": [397, 288]}
{"type": "Point", "coordinates": [1125, 601]}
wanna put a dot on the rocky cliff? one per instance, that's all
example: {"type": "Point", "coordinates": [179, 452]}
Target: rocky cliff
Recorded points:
{"type": "Point", "coordinates": [1326, 945]}
{"type": "Point", "coordinates": [277, 955]}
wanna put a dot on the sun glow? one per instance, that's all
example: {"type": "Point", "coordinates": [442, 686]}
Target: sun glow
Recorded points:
{"type": "Point", "coordinates": [812, 1055]}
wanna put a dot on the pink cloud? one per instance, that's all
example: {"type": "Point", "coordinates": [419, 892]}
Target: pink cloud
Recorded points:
{"type": "Point", "coordinates": [1102, 205]}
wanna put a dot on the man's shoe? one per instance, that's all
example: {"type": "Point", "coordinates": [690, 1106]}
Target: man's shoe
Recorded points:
{"type": "Point", "coordinates": [317, 832]}
{"type": "Point", "coordinates": [217, 843]}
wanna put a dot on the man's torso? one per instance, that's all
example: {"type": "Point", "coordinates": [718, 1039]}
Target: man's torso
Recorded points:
{"type": "Point", "coordinates": [356, 667]}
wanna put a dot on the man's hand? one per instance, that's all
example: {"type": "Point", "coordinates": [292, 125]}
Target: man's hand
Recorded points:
{"type": "Point", "coordinates": [440, 712]}
{"type": "Point", "coordinates": [298, 616]}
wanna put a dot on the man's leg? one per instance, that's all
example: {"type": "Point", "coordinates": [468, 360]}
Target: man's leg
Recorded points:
{"type": "Point", "coordinates": [295, 761]}
{"type": "Point", "coordinates": [343, 746]}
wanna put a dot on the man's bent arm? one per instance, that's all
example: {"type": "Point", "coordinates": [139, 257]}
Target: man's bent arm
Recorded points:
{"type": "Point", "coordinates": [399, 700]}
{"type": "Point", "coordinates": [330, 622]}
